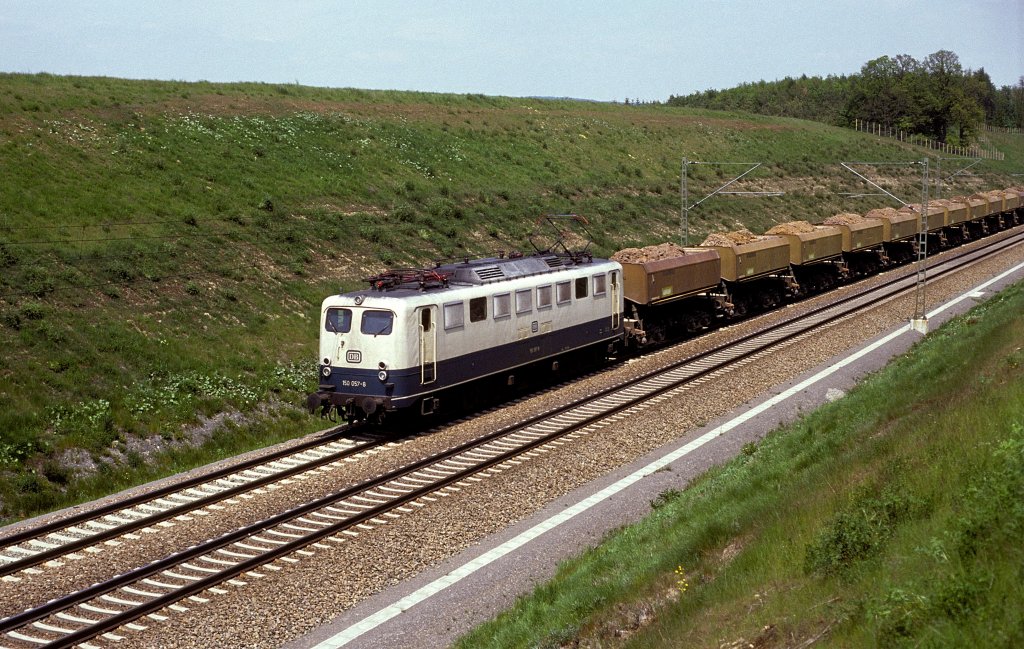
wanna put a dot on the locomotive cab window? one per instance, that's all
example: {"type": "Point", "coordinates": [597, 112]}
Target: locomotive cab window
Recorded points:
{"type": "Point", "coordinates": [338, 321]}
{"type": "Point", "coordinates": [425, 319]}
{"type": "Point", "coordinates": [600, 285]}
{"type": "Point", "coordinates": [581, 288]}
{"type": "Point", "coordinates": [377, 323]}
{"type": "Point", "coordinates": [544, 297]}
{"type": "Point", "coordinates": [477, 309]}
{"type": "Point", "coordinates": [563, 292]}
{"type": "Point", "coordinates": [454, 315]}
{"type": "Point", "coordinates": [524, 301]}
{"type": "Point", "coordinates": [502, 305]}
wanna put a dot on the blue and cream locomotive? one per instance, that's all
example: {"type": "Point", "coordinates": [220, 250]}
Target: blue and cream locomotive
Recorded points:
{"type": "Point", "coordinates": [418, 337]}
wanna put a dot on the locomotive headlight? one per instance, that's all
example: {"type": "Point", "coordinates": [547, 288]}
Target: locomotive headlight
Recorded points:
{"type": "Point", "coordinates": [326, 371]}
{"type": "Point", "coordinates": [327, 361]}
{"type": "Point", "coordinates": [382, 375]}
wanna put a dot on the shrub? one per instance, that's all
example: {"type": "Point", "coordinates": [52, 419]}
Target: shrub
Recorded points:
{"type": "Point", "coordinates": [121, 270]}
{"type": "Point", "coordinates": [375, 233]}
{"type": "Point", "coordinates": [860, 530]}
{"type": "Point", "coordinates": [444, 208]}
{"type": "Point", "coordinates": [7, 256]}
{"type": "Point", "coordinates": [33, 311]}
{"type": "Point", "coordinates": [12, 319]}
{"type": "Point", "coordinates": [404, 213]}
{"type": "Point", "coordinates": [38, 281]}
{"type": "Point", "coordinates": [665, 497]}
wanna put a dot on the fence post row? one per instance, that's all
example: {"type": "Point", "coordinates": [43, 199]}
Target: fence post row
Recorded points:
{"type": "Point", "coordinates": [973, 151]}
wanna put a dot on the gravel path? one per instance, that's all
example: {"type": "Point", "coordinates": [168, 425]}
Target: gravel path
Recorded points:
{"type": "Point", "coordinates": [287, 603]}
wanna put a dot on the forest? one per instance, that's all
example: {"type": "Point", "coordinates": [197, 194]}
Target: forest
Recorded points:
{"type": "Point", "coordinates": [934, 97]}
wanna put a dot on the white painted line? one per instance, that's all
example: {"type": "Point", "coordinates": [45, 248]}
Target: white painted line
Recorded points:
{"type": "Point", "coordinates": [467, 569]}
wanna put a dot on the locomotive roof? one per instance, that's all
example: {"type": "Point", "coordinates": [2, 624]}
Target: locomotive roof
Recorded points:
{"type": "Point", "coordinates": [485, 271]}
{"type": "Point", "coordinates": [475, 272]}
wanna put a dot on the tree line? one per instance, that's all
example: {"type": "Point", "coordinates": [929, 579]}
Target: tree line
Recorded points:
{"type": "Point", "coordinates": [934, 97]}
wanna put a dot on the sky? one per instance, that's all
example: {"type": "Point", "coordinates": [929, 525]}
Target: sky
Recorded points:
{"type": "Point", "coordinates": [606, 51]}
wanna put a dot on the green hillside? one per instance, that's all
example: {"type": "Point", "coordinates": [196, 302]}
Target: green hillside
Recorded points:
{"type": "Point", "coordinates": [164, 246]}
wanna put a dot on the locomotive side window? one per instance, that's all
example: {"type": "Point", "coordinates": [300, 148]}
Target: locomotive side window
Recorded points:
{"type": "Point", "coordinates": [524, 301]}
{"type": "Point", "coordinates": [581, 288]}
{"type": "Point", "coordinates": [477, 309]}
{"type": "Point", "coordinates": [563, 292]}
{"type": "Point", "coordinates": [502, 305]}
{"type": "Point", "coordinates": [338, 320]}
{"type": "Point", "coordinates": [425, 319]}
{"type": "Point", "coordinates": [454, 315]}
{"type": "Point", "coordinates": [377, 323]}
{"type": "Point", "coordinates": [544, 297]}
{"type": "Point", "coordinates": [600, 285]}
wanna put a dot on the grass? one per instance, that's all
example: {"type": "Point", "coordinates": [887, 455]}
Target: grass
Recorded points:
{"type": "Point", "coordinates": [891, 518]}
{"type": "Point", "coordinates": [164, 246]}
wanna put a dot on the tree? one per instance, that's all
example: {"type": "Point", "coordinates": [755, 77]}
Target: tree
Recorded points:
{"type": "Point", "coordinates": [933, 97]}
{"type": "Point", "coordinates": [1009, 110]}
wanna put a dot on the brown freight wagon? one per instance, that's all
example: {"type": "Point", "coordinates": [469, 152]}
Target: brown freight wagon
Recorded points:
{"type": "Point", "coordinates": [996, 201]}
{"type": "Point", "coordinates": [697, 271]}
{"type": "Point", "coordinates": [957, 211]}
{"type": "Point", "coordinates": [1015, 206]}
{"type": "Point", "coordinates": [978, 205]}
{"type": "Point", "coordinates": [755, 259]}
{"type": "Point", "coordinates": [1012, 199]}
{"type": "Point", "coordinates": [895, 225]}
{"type": "Point", "coordinates": [936, 218]}
{"type": "Point", "coordinates": [825, 242]}
{"type": "Point", "coordinates": [859, 236]}
{"type": "Point", "coordinates": [812, 251]}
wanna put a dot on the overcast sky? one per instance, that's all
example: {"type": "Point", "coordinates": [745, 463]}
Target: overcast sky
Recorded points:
{"type": "Point", "coordinates": [647, 49]}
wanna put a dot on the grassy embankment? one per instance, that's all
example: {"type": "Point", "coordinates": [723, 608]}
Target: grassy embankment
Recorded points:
{"type": "Point", "coordinates": [890, 518]}
{"type": "Point", "coordinates": [164, 246]}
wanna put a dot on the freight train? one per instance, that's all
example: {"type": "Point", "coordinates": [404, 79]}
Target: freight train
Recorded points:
{"type": "Point", "coordinates": [416, 339]}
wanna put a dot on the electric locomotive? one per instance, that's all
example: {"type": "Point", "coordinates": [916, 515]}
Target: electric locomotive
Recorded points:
{"type": "Point", "coordinates": [415, 337]}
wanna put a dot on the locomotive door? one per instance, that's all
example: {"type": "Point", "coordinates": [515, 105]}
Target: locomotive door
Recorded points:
{"type": "Point", "coordinates": [616, 300]}
{"type": "Point", "coordinates": [427, 319]}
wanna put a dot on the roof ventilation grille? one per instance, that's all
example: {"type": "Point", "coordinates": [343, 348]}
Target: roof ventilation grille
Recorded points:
{"type": "Point", "coordinates": [489, 273]}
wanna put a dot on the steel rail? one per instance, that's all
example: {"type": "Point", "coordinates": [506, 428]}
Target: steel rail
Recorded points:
{"type": "Point", "coordinates": [63, 525]}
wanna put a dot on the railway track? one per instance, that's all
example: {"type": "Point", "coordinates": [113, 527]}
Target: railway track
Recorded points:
{"type": "Point", "coordinates": [36, 545]}
{"type": "Point", "coordinates": [145, 594]}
